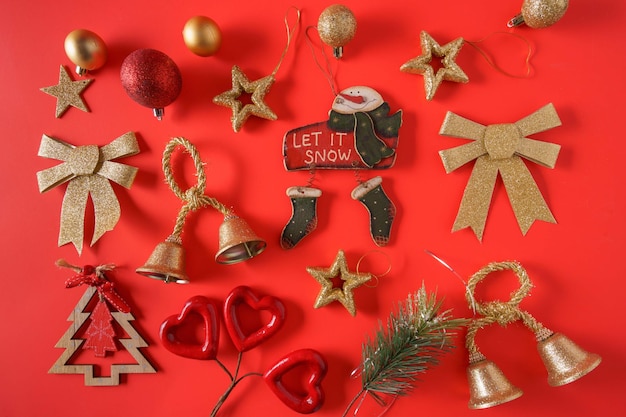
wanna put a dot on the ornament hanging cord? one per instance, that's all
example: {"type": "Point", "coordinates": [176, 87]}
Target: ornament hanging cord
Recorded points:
{"type": "Point", "coordinates": [468, 293]}
{"type": "Point", "coordinates": [193, 197]}
{"type": "Point", "coordinates": [376, 277]}
{"type": "Point", "coordinates": [492, 63]}
{"type": "Point", "coordinates": [328, 71]}
{"type": "Point", "coordinates": [290, 32]}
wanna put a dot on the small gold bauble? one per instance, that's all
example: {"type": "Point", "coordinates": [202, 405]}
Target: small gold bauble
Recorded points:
{"type": "Point", "coordinates": [336, 25]}
{"type": "Point", "coordinates": [543, 13]}
{"type": "Point", "coordinates": [85, 49]}
{"type": "Point", "coordinates": [202, 36]}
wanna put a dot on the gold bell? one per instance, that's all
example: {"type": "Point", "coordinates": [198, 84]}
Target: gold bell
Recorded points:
{"type": "Point", "coordinates": [166, 263]}
{"type": "Point", "coordinates": [237, 242]}
{"type": "Point", "coordinates": [564, 360]}
{"type": "Point", "coordinates": [488, 385]}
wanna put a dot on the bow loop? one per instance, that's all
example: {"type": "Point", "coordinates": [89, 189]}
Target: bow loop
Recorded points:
{"type": "Point", "coordinates": [88, 169]}
{"type": "Point", "coordinates": [94, 277]}
{"type": "Point", "coordinates": [497, 149]}
{"type": "Point", "coordinates": [545, 118]}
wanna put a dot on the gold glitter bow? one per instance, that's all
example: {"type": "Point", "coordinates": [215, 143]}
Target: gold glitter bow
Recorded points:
{"type": "Point", "coordinates": [88, 169]}
{"type": "Point", "coordinates": [497, 149]}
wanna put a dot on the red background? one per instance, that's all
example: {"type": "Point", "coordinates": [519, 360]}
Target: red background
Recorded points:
{"type": "Point", "coordinates": [575, 265]}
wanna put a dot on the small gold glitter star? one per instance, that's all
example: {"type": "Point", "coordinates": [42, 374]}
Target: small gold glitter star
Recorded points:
{"type": "Point", "coordinates": [328, 293]}
{"type": "Point", "coordinates": [258, 89]}
{"type": "Point", "coordinates": [449, 71]}
{"type": "Point", "coordinates": [67, 92]}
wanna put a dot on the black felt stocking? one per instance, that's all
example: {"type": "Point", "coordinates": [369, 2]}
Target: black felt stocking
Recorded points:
{"type": "Point", "coordinates": [304, 216]}
{"type": "Point", "coordinates": [381, 209]}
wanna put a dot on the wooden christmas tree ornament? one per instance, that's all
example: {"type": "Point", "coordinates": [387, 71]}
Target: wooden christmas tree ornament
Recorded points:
{"type": "Point", "coordinates": [100, 334]}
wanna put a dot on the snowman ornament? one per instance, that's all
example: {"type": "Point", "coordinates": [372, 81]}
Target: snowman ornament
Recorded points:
{"type": "Point", "coordinates": [360, 134]}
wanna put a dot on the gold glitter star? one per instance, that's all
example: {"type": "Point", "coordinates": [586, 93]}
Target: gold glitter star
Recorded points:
{"type": "Point", "coordinates": [328, 293]}
{"type": "Point", "coordinates": [67, 92]}
{"type": "Point", "coordinates": [449, 71]}
{"type": "Point", "coordinates": [258, 89]}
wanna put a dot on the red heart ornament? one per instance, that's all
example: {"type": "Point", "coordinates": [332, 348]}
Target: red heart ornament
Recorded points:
{"type": "Point", "coordinates": [245, 295]}
{"type": "Point", "coordinates": [304, 403]}
{"type": "Point", "coordinates": [209, 311]}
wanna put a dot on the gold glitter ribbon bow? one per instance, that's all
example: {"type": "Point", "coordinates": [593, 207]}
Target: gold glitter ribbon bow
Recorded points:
{"type": "Point", "coordinates": [497, 149]}
{"type": "Point", "coordinates": [88, 170]}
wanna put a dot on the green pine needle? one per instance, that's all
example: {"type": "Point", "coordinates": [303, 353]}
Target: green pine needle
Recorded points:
{"type": "Point", "coordinates": [411, 342]}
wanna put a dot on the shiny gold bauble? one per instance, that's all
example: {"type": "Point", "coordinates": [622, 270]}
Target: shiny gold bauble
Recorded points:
{"type": "Point", "coordinates": [336, 25]}
{"type": "Point", "coordinates": [85, 49]}
{"type": "Point", "coordinates": [202, 36]}
{"type": "Point", "coordinates": [543, 13]}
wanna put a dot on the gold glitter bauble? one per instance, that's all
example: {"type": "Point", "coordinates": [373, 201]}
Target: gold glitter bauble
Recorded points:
{"type": "Point", "coordinates": [85, 49]}
{"type": "Point", "coordinates": [202, 36]}
{"type": "Point", "coordinates": [543, 13]}
{"type": "Point", "coordinates": [336, 25]}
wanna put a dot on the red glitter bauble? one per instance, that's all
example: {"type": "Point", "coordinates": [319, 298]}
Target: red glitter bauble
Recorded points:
{"type": "Point", "coordinates": [151, 78]}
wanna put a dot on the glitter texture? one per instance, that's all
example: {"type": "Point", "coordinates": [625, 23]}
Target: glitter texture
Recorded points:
{"type": "Point", "coordinates": [67, 92]}
{"type": "Point", "coordinates": [498, 149]}
{"type": "Point", "coordinates": [151, 78]}
{"type": "Point", "coordinates": [336, 25]}
{"type": "Point", "coordinates": [240, 85]}
{"type": "Point", "coordinates": [564, 360]}
{"type": "Point", "coordinates": [543, 13]}
{"type": "Point", "coordinates": [344, 295]}
{"type": "Point", "coordinates": [489, 386]}
{"type": "Point", "coordinates": [88, 170]}
{"type": "Point", "coordinates": [449, 71]}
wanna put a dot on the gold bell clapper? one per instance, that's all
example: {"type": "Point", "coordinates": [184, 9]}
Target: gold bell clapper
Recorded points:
{"type": "Point", "coordinates": [237, 241]}
{"type": "Point", "coordinates": [564, 360]}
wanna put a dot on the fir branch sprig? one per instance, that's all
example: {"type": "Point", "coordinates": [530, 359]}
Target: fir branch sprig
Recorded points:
{"type": "Point", "coordinates": [410, 343]}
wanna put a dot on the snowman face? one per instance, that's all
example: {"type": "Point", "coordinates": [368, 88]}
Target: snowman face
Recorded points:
{"type": "Point", "coordinates": [357, 99]}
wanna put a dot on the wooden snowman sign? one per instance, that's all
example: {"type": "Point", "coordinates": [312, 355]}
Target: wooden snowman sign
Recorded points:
{"type": "Point", "coordinates": [359, 134]}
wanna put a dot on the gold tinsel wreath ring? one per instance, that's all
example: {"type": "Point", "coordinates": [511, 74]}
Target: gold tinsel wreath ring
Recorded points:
{"type": "Point", "coordinates": [503, 312]}
{"type": "Point", "coordinates": [193, 197]}
{"type": "Point", "coordinates": [500, 312]}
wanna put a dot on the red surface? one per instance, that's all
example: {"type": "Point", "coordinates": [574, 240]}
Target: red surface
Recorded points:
{"type": "Point", "coordinates": [575, 265]}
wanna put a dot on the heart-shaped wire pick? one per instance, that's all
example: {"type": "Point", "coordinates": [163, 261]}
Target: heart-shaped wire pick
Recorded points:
{"type": "Point", "coordinates": [208, 310]}
{"type": "Point", "coordinates": [245, 295]}
{"type": "Point", "coordinates": [312, 398]}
